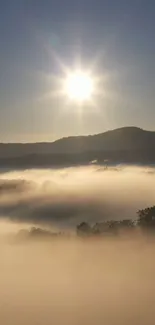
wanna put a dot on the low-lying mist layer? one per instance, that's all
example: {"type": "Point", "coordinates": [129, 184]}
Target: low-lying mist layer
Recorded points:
{"type": "Point", "coordinates": [63, 198]}
{"type": "Point", "coordinates": [74, 280]}
{"type": "Point", "coordinates": [78, 282]}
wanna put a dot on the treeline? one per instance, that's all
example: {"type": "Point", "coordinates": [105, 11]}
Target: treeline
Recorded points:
{"type": "Point", "coordinates": [145, 221]}
{"type": "Point", "coordinates": [38, 233]}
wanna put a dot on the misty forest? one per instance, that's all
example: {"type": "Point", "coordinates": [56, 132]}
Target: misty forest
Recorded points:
{"type": "Point", "coordinates": [145, 223]}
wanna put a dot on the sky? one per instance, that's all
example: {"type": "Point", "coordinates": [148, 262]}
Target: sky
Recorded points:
{"type": "Point", "coordinates": [112, 39]}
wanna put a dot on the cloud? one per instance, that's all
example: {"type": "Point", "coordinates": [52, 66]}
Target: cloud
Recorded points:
{"type": "Point", "coordinates": [13, 185]}
{"type": "Point", "coordinates": [68, 196]}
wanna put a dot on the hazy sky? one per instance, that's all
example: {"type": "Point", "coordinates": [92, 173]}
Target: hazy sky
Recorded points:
{"type": "Point", "coordinates": [114, 38]}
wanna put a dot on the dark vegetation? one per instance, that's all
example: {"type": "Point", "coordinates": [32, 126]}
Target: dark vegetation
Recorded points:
{"type": "Point", "coordinates": [145, 222]}
{"type": "Point", "coordinates": [38, 233]}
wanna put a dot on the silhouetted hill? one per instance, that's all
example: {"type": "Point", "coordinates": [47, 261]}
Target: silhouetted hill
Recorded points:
{"type": "Point", "coordinates": [123, 145]}
{"type": "Point", "coordinates": [127, 138]}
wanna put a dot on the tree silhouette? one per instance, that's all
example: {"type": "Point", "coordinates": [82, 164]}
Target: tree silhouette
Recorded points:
{"type": "Point", "coordinates": [83, 229]}
{"type": "Point", "coordinates": [146, 218]}
{"type": "Point", "coordinates": [126, 224]}
{"type": "Point", "coordinates": [110, 227]}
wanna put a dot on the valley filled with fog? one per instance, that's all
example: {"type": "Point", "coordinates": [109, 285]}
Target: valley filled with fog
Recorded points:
{"type": "Point", "coordinates": [74, 280]}
{"type": "Point", "coordinates": [62, 198]}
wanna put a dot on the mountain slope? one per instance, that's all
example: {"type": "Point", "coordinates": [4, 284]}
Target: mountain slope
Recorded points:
{"type": "Point", "coordinates": [127, 138]}
{"type": "Point", "coordinates": [128, 144]}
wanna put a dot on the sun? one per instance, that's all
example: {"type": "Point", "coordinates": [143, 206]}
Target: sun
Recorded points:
{"type": "Point", "coordinates": [79, 86]}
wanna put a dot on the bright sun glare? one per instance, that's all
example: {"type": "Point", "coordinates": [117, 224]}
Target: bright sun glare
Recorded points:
{"type": "Point", "coordinates": [79, 86]}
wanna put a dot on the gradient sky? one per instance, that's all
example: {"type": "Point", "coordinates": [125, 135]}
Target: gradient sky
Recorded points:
{"type": "Point", "coordinates": [115, 37]}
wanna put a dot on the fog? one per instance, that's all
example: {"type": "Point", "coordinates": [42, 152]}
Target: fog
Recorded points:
{"type": "Point", "coordinates": [63, 198]}
{"type": "Point", "coordinates": [78, 282]}
{"type": "Point", "coordinates": [71, 280]}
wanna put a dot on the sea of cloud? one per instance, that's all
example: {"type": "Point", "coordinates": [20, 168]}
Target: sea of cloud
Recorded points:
{"type": "Point", "coordinates": [65, 197]}
{"type": "Point", "coordinates": [75, 281]}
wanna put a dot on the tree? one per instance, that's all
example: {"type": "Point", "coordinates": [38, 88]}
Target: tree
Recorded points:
{"type": "Point", "coordinates": [146, 218]}
{"type": "Point", "coordinates": [126, 224]}
{"type": "Point", "coordinates": [84, 229]}
{"type": "Point", "coordinates": [100, 228]}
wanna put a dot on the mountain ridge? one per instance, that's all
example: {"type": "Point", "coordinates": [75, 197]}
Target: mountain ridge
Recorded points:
{"type": "Point", "coordinates": [126, 144]}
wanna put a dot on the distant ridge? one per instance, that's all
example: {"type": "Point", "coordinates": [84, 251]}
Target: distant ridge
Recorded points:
{"type": "Point", "coordinates": [127, 144]}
